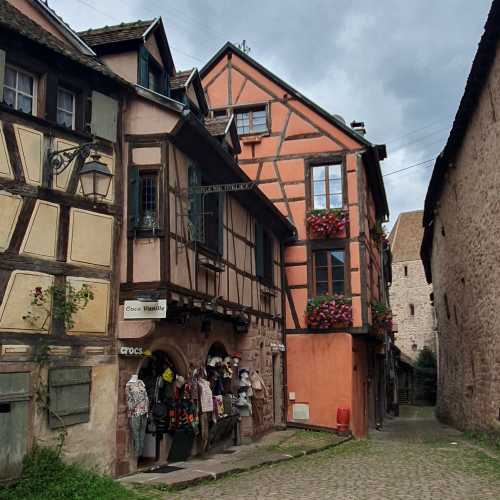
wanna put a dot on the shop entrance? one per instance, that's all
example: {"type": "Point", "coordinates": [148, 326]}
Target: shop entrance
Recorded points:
{"type": "Point", "coordinates": [222, 423]}
{"type": "Point", "coordinates": [171, 412]}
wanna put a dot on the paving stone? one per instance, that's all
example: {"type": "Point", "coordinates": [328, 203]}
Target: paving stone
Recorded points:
{"type": "Point", "coordinates": [413, 457]}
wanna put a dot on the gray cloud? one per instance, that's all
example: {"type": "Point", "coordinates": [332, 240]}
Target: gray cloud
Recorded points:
{"type": "Point", "coordinates": [399, 66]}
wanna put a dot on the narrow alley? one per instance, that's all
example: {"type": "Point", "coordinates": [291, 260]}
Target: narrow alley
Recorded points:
{"type": "Point", "coordinates": [414, 457]}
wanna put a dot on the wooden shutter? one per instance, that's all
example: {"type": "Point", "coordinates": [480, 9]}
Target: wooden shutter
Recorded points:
{"type": "Point", "coordinates": [143, 69]}
{"type": "Point", "coordinates": [69, 396]}
{"type": "Point", "coordinates": [2, 72]}
{"type": "Point", "coordinates": [104, 122]}
{"type": "Point", "coordinates": [220, 239]}
{"type": "Point", "coordinates": [195, 215]}
{"type": "Point", "coordinates": [259, 250]}
{"type": "Point", "coordinates": [133, 199]}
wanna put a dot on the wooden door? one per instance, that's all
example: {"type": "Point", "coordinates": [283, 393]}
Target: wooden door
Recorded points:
{"type": "Point", "coordinates": [14, 422]}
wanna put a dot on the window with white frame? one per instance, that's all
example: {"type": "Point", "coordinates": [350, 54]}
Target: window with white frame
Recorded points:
{"type": "Point", "coordinates": [327, 186]}
{"type": "Point", "coordinates": [19, 91]}
{"type": "Point", "coordinates": [65, 108]}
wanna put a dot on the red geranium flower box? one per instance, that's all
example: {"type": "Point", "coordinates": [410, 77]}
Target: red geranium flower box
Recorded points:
{"type": "Point", "coordinates": [328, 223]}
{"type": "Point", "coordinates": [327, 312]}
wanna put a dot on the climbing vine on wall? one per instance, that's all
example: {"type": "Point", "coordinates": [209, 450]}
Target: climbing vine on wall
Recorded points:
{"type": "Point", "coordinates": [62, 301]}
{"type": "Point", "coordinates": [41, 389]}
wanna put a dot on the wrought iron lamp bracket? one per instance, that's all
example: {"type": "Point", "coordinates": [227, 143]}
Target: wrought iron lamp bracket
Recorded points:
{"type": "Point", "coordinates": [60, 160]}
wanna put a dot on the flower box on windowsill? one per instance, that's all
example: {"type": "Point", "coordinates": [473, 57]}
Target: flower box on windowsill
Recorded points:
{"type": "Point", "coordinates": [327, 223]}
{"type": "Point", "coordinates": [326, 312]}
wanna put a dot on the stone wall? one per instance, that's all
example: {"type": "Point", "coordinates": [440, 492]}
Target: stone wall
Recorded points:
{"type": "Point", "coordinates": [187, 345]}
{"type": "Point", "coordinates": [414, 331]}
{"type": "Point", "coordinates": [466, 272]}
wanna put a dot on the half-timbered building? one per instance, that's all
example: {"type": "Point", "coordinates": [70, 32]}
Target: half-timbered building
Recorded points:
{"type": "Point", "coordinates": [199, 240]}
{"type": "Point", "coordinates": [325, 177]}
{"type": "Point", "coordinates": [58, 246]}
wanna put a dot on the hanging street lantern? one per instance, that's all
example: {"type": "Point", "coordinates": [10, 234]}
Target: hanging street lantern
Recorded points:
{"type": "Point", "coordinates": [95, 179]}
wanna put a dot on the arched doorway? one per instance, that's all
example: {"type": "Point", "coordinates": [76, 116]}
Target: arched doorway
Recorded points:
{"type": "Point", "coordinates": [159, 374]}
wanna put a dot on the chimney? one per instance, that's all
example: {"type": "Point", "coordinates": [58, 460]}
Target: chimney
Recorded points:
{"type": "Point", "coordinates": [359, 127]}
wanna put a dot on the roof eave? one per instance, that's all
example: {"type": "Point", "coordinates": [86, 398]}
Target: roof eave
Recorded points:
{"type": "Point", "coordinates": [72, 35]}
{"type": "Point", "coordinates": [285, 228]}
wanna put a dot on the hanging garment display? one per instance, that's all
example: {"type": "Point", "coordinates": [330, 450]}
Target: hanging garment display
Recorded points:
{"type": "Point", "coordinates": [137, 397]}
{"type": "Point", "coordinates": [138, 427]}
{"type": "Point", "coordinates": [206, 401]}
{"type": "Point", "coordinates": [243, 404]}
{"type": "Point", "coordinates": [258, 386]}
{"type": "Point", "coordinates": [137, 406]}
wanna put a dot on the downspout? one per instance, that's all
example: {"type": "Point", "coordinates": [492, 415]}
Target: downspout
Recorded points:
{"type": "Point", "coordinates": [283, 334]}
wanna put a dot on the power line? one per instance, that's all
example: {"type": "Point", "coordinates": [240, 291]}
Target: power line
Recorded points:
{"type": "Point", "coordinates": [420, 164]}
{"type": "Point", "coordinates": [414, 131]}
{"type": "Point", "coordinates": [420, 139]}
{"type": "Point", "coordinates": [89, 5]}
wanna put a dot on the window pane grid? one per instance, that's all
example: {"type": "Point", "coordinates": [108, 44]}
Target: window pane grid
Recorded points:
{"type": "Point", "coordinates": [18, 90]}
{"type": "Point", "coordinates": [65, 108]}
{"type": "Point", "coordinates": [253, 121]}
{"type": "Point", "coordinates": [327, 188]}
{"type": "Point", "coordinates": [148, 200]}
{"type": "Point", "coordinates": [329, 272]}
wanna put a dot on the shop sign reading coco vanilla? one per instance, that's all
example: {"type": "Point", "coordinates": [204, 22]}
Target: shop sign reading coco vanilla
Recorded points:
{"type": "Point", "coordinates": [136, 309]}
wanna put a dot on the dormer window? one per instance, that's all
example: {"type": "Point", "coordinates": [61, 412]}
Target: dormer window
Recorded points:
{"type": "Point", "coordinates": [151, 74]}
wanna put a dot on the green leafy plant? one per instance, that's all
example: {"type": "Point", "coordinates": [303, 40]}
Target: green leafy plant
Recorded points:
{"type": "Point", "coordinates": [41, 390]}
{"type": "Point", "coordinates": [46, 477]}
{"type": "Point", "coordinates": [62, 301]}
{"type": "Point", "coordinates": [382, 316]}
{"type": "Point", "coordinates": [378, 232]}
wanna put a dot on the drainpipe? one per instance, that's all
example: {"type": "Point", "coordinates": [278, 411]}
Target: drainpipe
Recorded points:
{"type": "Point", "coordinates": [283, 328]}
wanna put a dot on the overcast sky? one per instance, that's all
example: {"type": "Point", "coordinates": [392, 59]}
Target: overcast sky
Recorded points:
{"type": "Point", "coordinates": [398, 65]}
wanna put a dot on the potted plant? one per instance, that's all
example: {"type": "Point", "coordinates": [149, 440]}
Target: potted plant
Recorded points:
{"type": "Point", "coordinates": [381, 317]}
{"type": "Point", "coordinates": [325, 312]}
{"type": "Point", "coordinates": [327, 223]}
{"type": "Point", "coordinates": [378, 233]}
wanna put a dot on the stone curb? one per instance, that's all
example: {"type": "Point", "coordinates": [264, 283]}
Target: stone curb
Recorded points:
{"type": "Point", "coordinates": [214, 476]}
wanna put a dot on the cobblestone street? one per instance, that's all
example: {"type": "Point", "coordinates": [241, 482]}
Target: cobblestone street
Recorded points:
{"type": "Point", "coordinates": [414, 457]}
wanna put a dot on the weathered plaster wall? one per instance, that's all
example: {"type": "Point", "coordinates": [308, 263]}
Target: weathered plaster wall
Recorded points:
{"type": "Point", "coordinates": [466, 273]}
{"type": "Point", "coordinates": [123, 64]}
{"type": "Point", "coordinates": [91, 443]}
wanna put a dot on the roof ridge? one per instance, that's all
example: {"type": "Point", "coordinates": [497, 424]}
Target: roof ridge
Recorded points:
{"type": "Point", "coordinates": [139, 22]}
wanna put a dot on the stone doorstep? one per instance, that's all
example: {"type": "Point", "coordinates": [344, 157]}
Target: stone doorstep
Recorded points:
{"type": "Point", "coordinates": [219, 466]}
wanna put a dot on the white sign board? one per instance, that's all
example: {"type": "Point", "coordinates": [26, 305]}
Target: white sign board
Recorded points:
{"type": "Point", "coordinates": [135, 309]}
{"type": "Point", "coordinates": [131, 351]}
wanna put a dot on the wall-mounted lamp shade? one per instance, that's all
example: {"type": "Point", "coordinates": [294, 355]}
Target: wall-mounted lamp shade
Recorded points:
{"type": "Point", "coordinates": [95, 180]}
